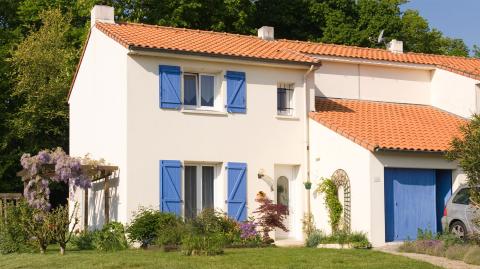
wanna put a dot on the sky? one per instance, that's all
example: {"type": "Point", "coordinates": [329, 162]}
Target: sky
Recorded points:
{"type": "Point", "coordinates": [455, 18]}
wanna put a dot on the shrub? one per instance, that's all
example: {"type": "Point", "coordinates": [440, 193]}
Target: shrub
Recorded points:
{"type": "Point", "coordinates": [208, 233]}
{"type": "Point", "coordinates": [308, 224]}
{"type": "Point", "coordinates": [449, 239]}
{"type": "Point", "coordinates": [456, 252]}
{"type": "Point", "coordinates": [34, 223]}
{"type": "Point", "coordinates": [12, 237]}
{"type": "Point", "coordinates": [270, 216]}
{"type": "Point", "coordinates": [359, 240]}
{"type": "Point", "coordinates": [202, 244]}
{"type": "Point", "coordinates": [473, 255]}
{"type": "Point", "coordinates": [315, 238]}
{"type": "Point", "coordinates": [425, 234]}
{"type": "Point", "coordinates": [111, 237]}
{"type": "Point", "coordinates": [84, 240]}
{"type": "Point", "coordinates": [62, 225]}
{"type": "Point", "coordinates": [144, 226]}
{"type": "Point", "coordinates": [170, 231]}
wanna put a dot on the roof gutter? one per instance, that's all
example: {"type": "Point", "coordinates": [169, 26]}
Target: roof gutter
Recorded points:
{"type": "Point", "coordinates": [386, 150]}
{"type": "Point", "coordinates": [152, 51]}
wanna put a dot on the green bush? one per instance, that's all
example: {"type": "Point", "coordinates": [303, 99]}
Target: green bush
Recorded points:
{"type": "Point", "coordinates": [208, 234]}
{"type": "Point", "coordinates": [84, 240]}
{"type": "Point", "coordinates": [335, 208]}
{"type": "Point", "coordinates": [13, 237]}
{"type": "Point", "coordinates": [456, 252]}
{"type": "Point", "coordinates": [449, 239]}
{"type": "Point", "coordinates": [202, 244]}
{"type": "Point", "coordinates": [169, 231]}
{"type": "Point", "coordinates": [314, 239]}
{"type": "Point", "coordinates": [111, 237]}
{"type": "Point", "coordinates": [144, 226]}
{"type": "Point", "coordinates": [473, 255]}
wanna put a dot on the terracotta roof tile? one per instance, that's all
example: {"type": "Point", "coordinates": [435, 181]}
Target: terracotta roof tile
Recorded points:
{"type": "Point", "coordinates": [196, 41]}
{"type": "Point", "coordinates": [389, 126]}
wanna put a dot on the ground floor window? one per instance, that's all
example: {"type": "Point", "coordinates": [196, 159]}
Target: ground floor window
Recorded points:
{"type": "Point", "coordinates": [198, 188]}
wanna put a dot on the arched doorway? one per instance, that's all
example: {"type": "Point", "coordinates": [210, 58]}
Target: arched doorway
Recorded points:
{"type": "Point", "coordinates": [341, 180]}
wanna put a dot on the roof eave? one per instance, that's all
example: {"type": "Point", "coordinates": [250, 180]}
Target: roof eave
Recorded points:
{"type": "Point", "coordinates": [398, 150]}
{"type": "Point", "coordinates": [307, 64]}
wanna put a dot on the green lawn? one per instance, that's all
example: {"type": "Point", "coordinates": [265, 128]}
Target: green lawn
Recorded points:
{"type": "Point", "coordinates": [233, 258]}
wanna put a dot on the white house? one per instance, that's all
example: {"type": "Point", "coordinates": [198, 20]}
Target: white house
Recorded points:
{"type": "Point", "coordinates": [199, 119]}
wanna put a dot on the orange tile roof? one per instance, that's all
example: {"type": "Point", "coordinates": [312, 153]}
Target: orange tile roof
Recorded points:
{"type": "Point", "coordinates": [389, 126]}
{"type": "Point", "coordinates": [233, 45]}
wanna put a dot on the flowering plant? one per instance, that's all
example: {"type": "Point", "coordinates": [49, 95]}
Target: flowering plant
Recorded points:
{"type": "Point", "coordinates": [248, 230]}
{"type": "Point", "coordinates": [38, 174]}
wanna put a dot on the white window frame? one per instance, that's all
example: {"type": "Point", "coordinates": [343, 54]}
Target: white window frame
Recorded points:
{"type": "Point", "coordinates": [198, 91]}
{"type": "Point", "coordinates": [199, 184]}
{"type": "Point", "coordinates": [290, 87]}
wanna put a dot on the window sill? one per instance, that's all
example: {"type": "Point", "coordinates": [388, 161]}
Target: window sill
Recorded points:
{"type": "Point", "coordinates": [204, 112]}
{"type": "Point", "coordinates": [286, 117]}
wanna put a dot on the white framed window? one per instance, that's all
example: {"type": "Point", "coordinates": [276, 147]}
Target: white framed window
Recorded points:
{"type": "Point", "coordinates": [199, 91]}
{"type": "Point", "coordinates": [199, 189]}
{"type": "Point", "coordinates": [285, 99]}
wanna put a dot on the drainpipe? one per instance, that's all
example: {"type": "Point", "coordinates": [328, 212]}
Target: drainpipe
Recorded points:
{"type": "Point", "coordinates": [307, 134]}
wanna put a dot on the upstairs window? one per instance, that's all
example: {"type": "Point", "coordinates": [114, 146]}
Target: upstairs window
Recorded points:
{"type": "Point", "coordinates": [198, 90]}
{"type": "Point", "coordinates": [285, 99]}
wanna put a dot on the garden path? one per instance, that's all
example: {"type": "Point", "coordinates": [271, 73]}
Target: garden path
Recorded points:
{"type": "Point", "coordinates": [438, 261]}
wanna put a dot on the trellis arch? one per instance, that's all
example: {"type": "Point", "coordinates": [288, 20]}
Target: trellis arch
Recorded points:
{"type": "Point", "coordinates": [341, 179]}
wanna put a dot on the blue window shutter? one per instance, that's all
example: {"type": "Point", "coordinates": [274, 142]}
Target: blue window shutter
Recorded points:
{"type": "Point", "coordinates": [237, 191]}
{"type": "Point", "coordinates": [170, 186]}
{"type": "Point", "coordinates": [170, 86]}
{"type": "Point", "coordinates": [236, 92]}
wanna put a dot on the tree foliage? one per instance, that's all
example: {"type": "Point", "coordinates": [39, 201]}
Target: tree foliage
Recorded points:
{"type": "Point", "coordinates": [466, 150]}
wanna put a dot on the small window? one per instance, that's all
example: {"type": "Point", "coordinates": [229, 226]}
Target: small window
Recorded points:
{"type": "Point", "coordinates": [462, 197]}
{"type": "Point", "coordinates": [199, 189]}
{"type": "Point", "coordinates": [198, 90]}
{"type": "Point", "coordinates": [285, 99]}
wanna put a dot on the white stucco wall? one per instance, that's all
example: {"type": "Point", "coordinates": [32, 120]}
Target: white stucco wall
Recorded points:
{"type": "Point", "coordinates": [98, 120]}
{"type": "Point", "coordinates": [329, 152]}
{"type": "Point", "coordinates": [257, 138]}
{"type": "Point", "coordinates": [373, 82]}
{"type": "Point", "coordinates": [454, 93]}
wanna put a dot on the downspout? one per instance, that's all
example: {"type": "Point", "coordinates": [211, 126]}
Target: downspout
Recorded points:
{"type": "Point", "coordinates": [307, 131]}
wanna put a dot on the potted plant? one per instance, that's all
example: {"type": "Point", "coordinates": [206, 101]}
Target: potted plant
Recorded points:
{"type": "Point", "coordinates": [308, 185]}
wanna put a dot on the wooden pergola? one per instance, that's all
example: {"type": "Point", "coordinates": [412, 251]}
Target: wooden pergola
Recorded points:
{"type": "Point", "coordinates": [103, 172]}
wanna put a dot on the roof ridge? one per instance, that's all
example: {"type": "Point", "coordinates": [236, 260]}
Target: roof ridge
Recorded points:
{"type": "Point", "coordinates": [292, 40]}
{"type": "Point", "coordinates": [187, 29]}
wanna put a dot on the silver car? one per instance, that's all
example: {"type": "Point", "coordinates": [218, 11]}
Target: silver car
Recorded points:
{"type": "Point", "coordinates": [459, 215]}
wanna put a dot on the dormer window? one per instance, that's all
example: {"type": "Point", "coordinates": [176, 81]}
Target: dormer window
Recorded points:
{"type": "Point", "coordinates": [198, 90]}
{"type": "Point", "coordinates": [285, 99]}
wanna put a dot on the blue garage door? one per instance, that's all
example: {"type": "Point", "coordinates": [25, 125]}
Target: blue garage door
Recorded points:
{"type": "Point", "coordinates": [410, 202]}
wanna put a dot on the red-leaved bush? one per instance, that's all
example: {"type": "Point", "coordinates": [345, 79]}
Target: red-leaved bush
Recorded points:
{"type": "Point", "coordinates": [270, 216]}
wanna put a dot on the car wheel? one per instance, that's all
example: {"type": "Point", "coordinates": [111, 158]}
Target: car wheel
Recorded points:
{"type": "Point", "coordinates": [458, 229]}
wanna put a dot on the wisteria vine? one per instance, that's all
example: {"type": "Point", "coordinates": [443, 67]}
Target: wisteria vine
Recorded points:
{"type": "Point", "coordinates": [38, 174]}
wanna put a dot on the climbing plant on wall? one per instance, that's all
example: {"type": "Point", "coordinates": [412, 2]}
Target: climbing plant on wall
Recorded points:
{"type": "Point", "coordinates": [330, 194]}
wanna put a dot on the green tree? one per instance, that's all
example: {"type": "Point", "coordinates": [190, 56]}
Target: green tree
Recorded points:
{"type": "Point", "coordinates": [476, 51]}
{"type": "Point", "coordinates": [43, 67]}
{"type": "Point", "coordinates": [466, 150]}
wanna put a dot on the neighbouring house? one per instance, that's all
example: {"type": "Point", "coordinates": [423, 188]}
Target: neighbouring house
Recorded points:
{"type": "Point", "coordinates": [200, 119]}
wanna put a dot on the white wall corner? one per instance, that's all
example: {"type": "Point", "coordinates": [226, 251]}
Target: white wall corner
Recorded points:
{"type": "Point", "coordinates": [102, 13]}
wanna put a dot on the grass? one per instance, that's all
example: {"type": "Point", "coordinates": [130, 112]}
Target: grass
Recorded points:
{"type": "Point", "coordinates": [233, 258]}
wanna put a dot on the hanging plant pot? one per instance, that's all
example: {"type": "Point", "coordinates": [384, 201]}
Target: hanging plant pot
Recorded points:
{"type": "Point", "coordinates": [308, 185]}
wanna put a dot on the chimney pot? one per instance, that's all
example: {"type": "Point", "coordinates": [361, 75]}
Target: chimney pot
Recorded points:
{"type": "Point", "coordinates": [101, 13]}
{"type": "Point", "coordinates": [395, 46]}
{"type": "Point", "coordinates": [266, 33]}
